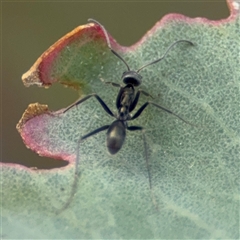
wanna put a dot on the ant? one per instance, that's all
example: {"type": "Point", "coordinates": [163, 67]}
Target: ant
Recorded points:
{"type": "Point", "coordinates": [126, 102]}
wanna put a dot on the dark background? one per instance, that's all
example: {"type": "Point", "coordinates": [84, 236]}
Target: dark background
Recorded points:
{"type": "Point", "coordinates": [29, 28]}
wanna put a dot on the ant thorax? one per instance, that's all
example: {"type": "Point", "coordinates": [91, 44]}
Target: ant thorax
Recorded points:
{"type": "Point", "coordinates": [124, 101]}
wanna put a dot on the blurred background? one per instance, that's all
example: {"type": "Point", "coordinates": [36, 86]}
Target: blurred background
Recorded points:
{"type": "Point", "coordinates": [29, 28]}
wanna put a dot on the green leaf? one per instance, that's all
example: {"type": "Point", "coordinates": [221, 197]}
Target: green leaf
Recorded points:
{"type": "Point", "coordinates": [194, 169]}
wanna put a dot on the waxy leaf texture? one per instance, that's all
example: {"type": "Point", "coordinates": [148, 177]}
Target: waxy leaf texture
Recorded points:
{"type": "Point", "coordinates": [194, 169]}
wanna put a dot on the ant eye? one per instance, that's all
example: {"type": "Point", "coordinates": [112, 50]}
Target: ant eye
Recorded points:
{"type": "Point", "coordinates": [124, 74]}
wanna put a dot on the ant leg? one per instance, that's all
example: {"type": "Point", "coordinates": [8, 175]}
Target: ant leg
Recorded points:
{"type": "Point", "coordinates": [77, 172]}
{"type": "Point", "coordinates": [135, 101]}
{"type": "Point", "coordinates": [146, 93]}
{"type": "Point", "coordinates": [137, 114]}
{"type": "Point", "coordinates": [136, 128]}
{"type": "Point", "coordinates": [111, 83]}
{"type": "Point", "coordinates": [103, 104]}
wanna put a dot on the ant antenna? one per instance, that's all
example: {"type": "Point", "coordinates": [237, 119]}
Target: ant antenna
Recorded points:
{"type": "Point", "coordinates": [108, 41]}
{"type": "Point", "coordinates": [161, 58]}
{"type": "Point", "coordinates": [116, 54]}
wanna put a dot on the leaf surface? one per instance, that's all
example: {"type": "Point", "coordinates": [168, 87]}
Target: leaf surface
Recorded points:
{"type": "Point", "coordinates": [195, 170]}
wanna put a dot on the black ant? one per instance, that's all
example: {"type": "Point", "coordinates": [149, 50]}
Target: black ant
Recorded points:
{"type": "Point", "coordinates": [126, 102]}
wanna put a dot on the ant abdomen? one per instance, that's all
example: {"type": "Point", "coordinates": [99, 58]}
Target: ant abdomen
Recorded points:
{"type": "Point", "coordinates": [115, 136]}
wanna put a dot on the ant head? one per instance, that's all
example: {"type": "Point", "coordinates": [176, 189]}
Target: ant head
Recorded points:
{"type": "Point", "coordinates": [132, 77]}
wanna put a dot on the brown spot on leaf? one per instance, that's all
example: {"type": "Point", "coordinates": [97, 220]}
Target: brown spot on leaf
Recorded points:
{"type": "Point", "coordinates": [33, 110]}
